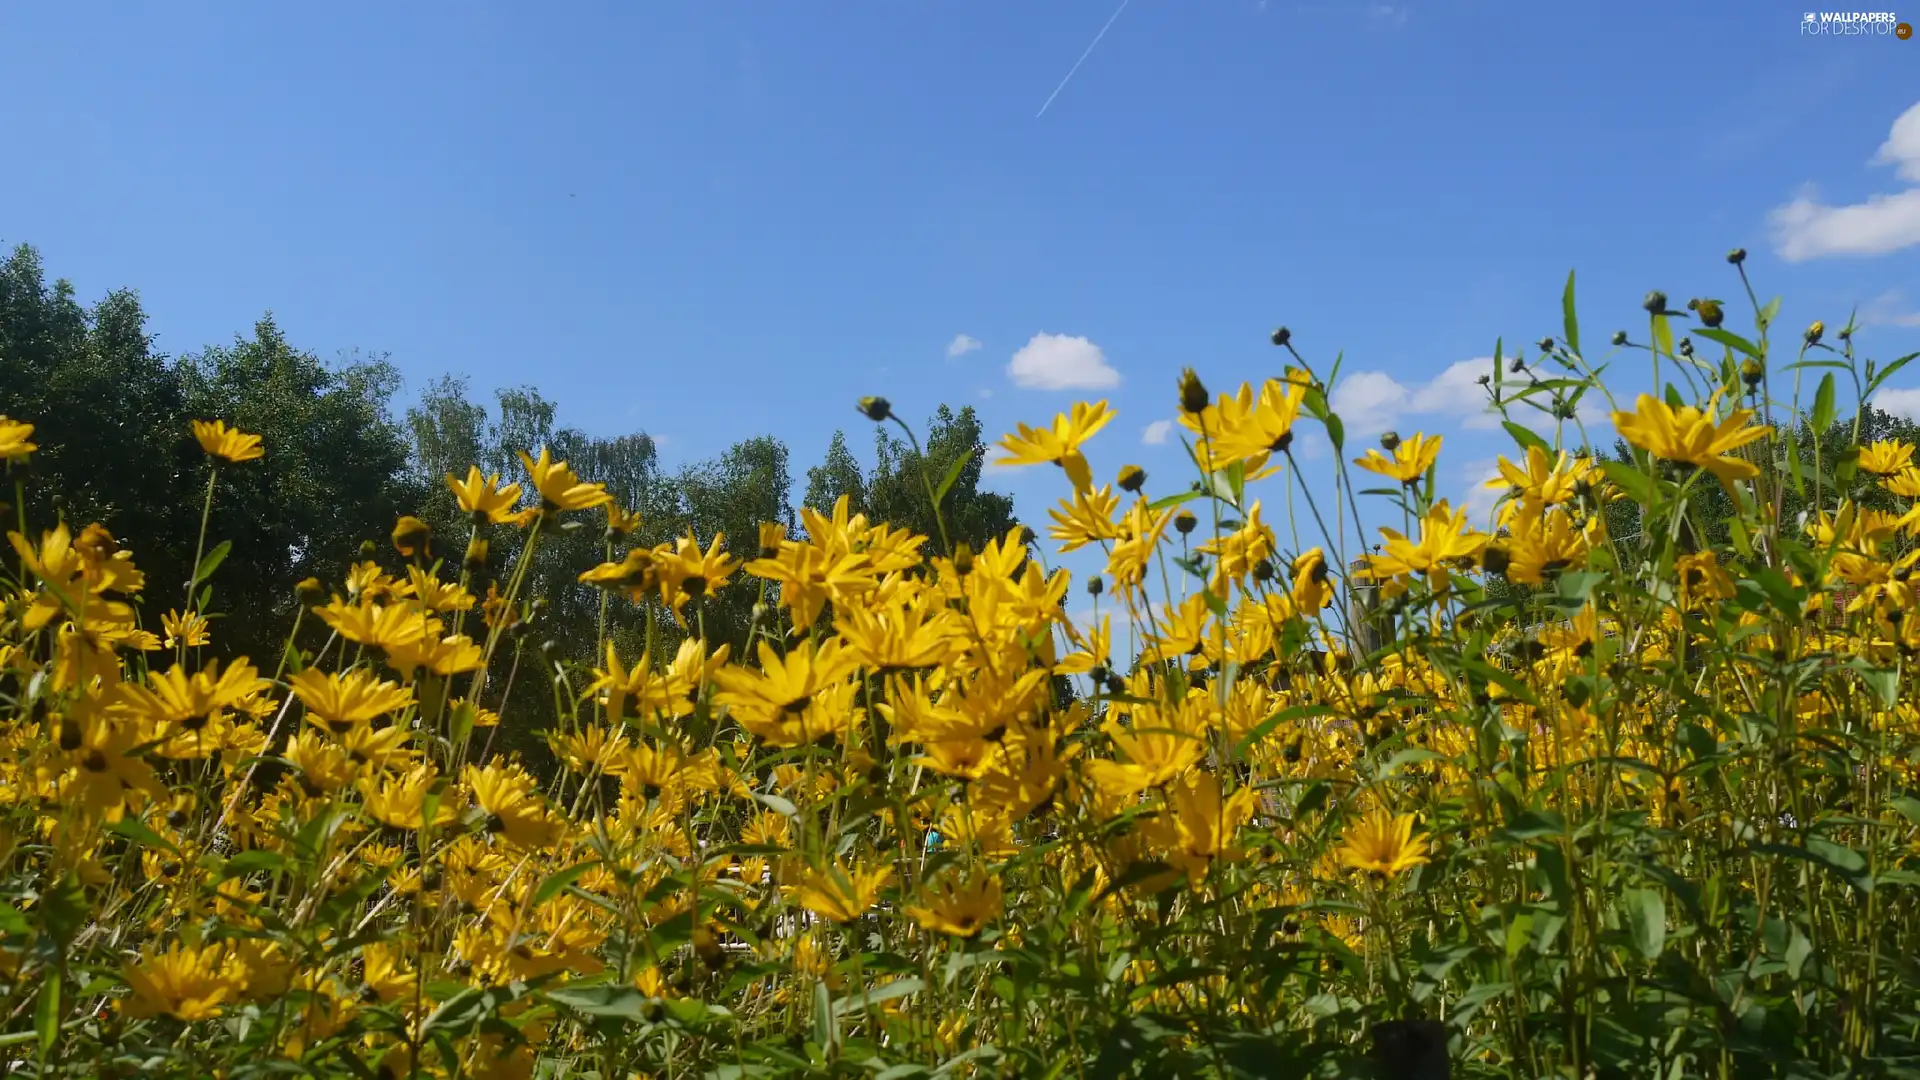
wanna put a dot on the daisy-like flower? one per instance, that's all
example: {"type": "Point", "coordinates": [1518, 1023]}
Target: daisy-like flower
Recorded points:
{"type": "Point", "coordinates": [1689, 435]}
{"type": "Point", "coordinates": [1410, 461]}
{"type": "Point", "coordinates": [1060, 444]}
{"type": "Point", "coordinates": [15, 436]}
{"type": "Point", "coordinates": [560, 488]}
{"type": "Point", "coordinates": [1383, 844]}
{"type": "Point", "coordinates": [484, 496]}
{"type": "Point", "coordinates": [227, 444]}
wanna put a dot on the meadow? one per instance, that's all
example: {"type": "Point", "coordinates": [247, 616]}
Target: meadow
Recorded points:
{"type": "Point", "coordinates": [1620, 784]}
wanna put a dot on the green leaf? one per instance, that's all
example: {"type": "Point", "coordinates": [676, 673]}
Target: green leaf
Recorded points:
{"type": "Point", "coordinates": [63, 910]}
{"type": "Point", "coordinates": [1569, 323]}
{"type": "Point", "coordinates": [1823, 408]}
{"type": "Point", "coordinates": [1646, 917]}
{"type": "Point", "coordinates": [777, 804]}
{"type": "Point", "coordinates": [46, 1015]}
{"type": "Point", "coordinates": [1168, 502]}
{"type": "Point", "coordinates": [1907, 805]}
{"type": "Point", "coordinates": [212, 561]}
{"type": "Point", "coordinates": [1798, 949]}
{"type": "Point", "coordinates": [618, 1002]}
{"type": "Point", "coordinates": [1662, 335]}
{"type": "Point", "coordinates": [1730, 339]}
{"type": "Point", "coordinates": [1575, 587]}
{"type": "Point", "coordinates": [824, 1029]}
{"type": "Point", "coordinates": [898, 988]}
{"type": "Point", "coordinates": [1266, 727]}
{"type": "Point", "coordinates": [1630, 480]}
{"type": "Point", "coordinates": [12, 922]}
{"type": "Point", "coordinates": [1769, 313]}
{"type": "Point", "coordinates": [252, 862]}
{"type": "Point", "coordinates": [953, 475]}
{"type": "Point", "coordinates": [141, 833]}
{"type": "Point", "coordinates": [560, 879]}
{"type": "Point", "coordinates": [1337, 432]}
{"type": "Point", "coordinates": [1526, 437]}
{"type": "Point", "coordinates": [1214, 603]}
{"type": "Point", "coordinates": [1882, 375]}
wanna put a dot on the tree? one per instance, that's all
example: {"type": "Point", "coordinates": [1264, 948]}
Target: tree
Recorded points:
{"type": "Point", "coordinates": [334, 474]}
{"type": "Point", "coordinates": [112, 419]}
{"type": "Point", "coordinates": [836, 476]}
{"type": "Point", "coordinates": [897, 489]}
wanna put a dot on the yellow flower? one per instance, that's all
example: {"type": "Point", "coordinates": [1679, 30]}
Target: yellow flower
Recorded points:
{"type": "Point", "coordinates": [1410, 461]}
{"type": "Point", "coordinates": [560, 489]}
{"type": "Point", "coordinates": [228, 444]}
{"type": "Point", "coordinates": [1060, 444]}
{"type": "Point", "coordinates": [1312, 581]}
{"type": "Point", "coordinates": [1383, 844]}
{"type": "Point", "coordinates": [959, 908]}
{"type": "Point", "coordinates": [186, 984]}
{"type": "Point", "coordinates": [341, 701]}
{"type": "Point", "coordinates": [1689, 435]}
{"type": "Point", "coordinates": [484, 496]}
{"type": "Point", "coordinates": [189, 629]}
{"type": "Point", "coordinates": [841, 893]}
{"type": "Point", "coordinates": [13, 439]}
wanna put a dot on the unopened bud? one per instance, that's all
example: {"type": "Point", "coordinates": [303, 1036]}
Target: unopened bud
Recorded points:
{"type": "Point", "coordinates": [877, 409]}
{"type": "Point", "coordinates": [1193, 392]}
{"type": "Point", "coordinates": [1816, 332]}
{"type": "Point", "coordinates": [1737, 256]}
{"type": "Point", "coordinates": [1389, 441]}
{"type": "Point", "coordinates": [1185, 522]}
{"type": "Point", "coordinates": [310, 592]}
{"type": "Point", "coordinates": [1655, 303]}
{"type": "Point", "coordinates": [1619, 337]}
{"type": "Point", "coordinates": [1132, 478]}
{"type": "Point", "coordinates": [1095, 586]}
{"type": "Point", "coordinates": [1282, 336]}
{"type": "Point", "coordinates": [963, 558]}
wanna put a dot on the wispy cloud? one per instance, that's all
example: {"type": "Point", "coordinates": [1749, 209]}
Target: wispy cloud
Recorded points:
{"type": "Point", "coordinates": [961, 345]}
{"type": "Point", "coordinates": [1890, 308]}
{"type": "Point", "coordinates": [1156, 433]}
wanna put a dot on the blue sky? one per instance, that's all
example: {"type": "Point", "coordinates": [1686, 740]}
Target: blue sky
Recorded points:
{"type": "Point", "coordinates": [711, 220]}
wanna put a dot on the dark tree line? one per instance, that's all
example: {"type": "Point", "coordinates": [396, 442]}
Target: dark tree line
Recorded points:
{"type": "Point", "coordinates": [112, 418]}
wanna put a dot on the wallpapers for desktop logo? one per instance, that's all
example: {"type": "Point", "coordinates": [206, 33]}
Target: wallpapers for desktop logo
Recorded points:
{"type": "Point", "coordinates": [1854, 24]}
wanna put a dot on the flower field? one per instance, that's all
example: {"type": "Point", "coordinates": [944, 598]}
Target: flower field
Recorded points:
{"type": "Point", "coordinates": [1336, 781]}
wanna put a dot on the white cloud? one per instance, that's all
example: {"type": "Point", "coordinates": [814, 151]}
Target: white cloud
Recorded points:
{"type": "Point", "coordinates": [1807, 228]}
{"type": "Point", "coordinates": [1060, 362]}
{"type": "Point", "coordinates": [1156, 432]}
{"type": "Point", "coordinates": [1902, 148]}
{"type": "Point", "coordinates": [1890, 308]}
{"type": "Point", "coordinates": [961, 345]}
{"type": "Point", "coordinates": [986, 392]}
{"type": "Point", "coordinates": [1371, 402]}
{"type": "Point", "coordinates": [1899, 402]}
{"type": "Point", "coordinates": [1478, 498]}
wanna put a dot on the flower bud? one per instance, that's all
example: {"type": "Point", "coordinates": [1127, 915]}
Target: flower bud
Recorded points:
{"type": "Point", "coordinates": [1619, 337]}
{"type": "Point", "coordinates": [1282, 337]}
{"type": "Point", "coordinates": [1737, 256]}
{"type": "Point", "coordinates": [1655, 303]}
{"type": "Point", "coordinates": [877, 409]}
{"type": "Point", "coordinates": [1193, 392]}
{"type": "Point", "coordinates": [1132, 478]}
{"type": "Point", "coordinates": [1389, 441]}
{"type": "Point", "coordinates": [476, 557]}
{"type": "Point", "coordinates": [310, 592]}
{"type": "Point", "coordinates": [963, 558]}
{"type": "Point", "coordinates": [1185, 522]}
{"type": "Point", "coordinates": [1752, 372]}
{"type": "Point", "coordinates": [411, 537]}
{"type": "Point", "coordinates": [1546, 344]}
{"type": "Point", "coordinates": [1095, 586]}
{"type": "Point", "coordinates": [1815, 332]}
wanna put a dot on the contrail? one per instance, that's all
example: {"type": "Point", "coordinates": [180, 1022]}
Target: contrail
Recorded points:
{"type": "Point", "coordinates": [1083, 58]}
